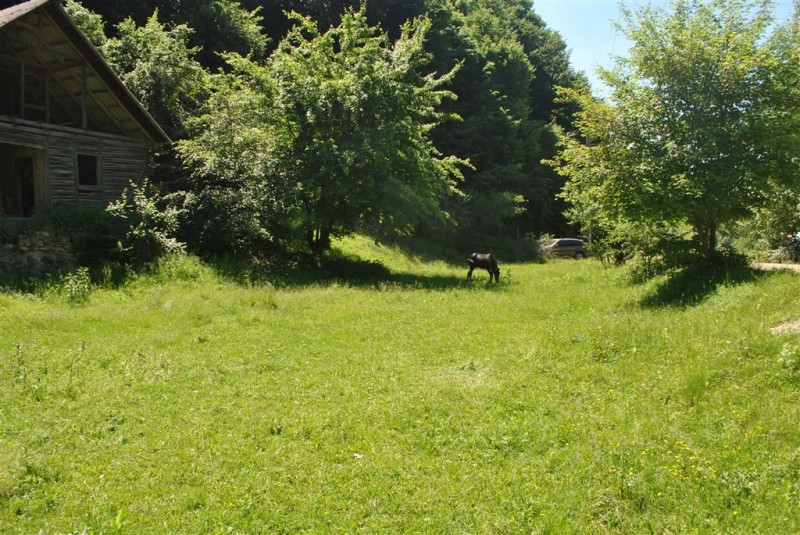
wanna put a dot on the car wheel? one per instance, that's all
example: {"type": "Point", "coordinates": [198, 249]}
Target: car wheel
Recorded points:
{"type": "Point", "coordinates": [578, 255]}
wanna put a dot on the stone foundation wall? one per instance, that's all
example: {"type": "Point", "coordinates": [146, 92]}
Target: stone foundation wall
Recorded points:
{"type": "Point", "coordinates": [37, 253]}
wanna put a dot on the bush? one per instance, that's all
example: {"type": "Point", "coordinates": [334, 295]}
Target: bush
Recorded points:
{"type": "Point", "coordinates": [152, 223]}
{"type": "Point", "coordinates": [221, 221]}
{"type": "Point", "coordinates": [651, 249]}
{"type": "Point", "coordinates": [788, 250]}
{"type": "Point", "coordinates": [9, 230]}
{"type": "Point", "coordinates": [77, 286]}
{"type": "Point", "coordinates": [534, 246]}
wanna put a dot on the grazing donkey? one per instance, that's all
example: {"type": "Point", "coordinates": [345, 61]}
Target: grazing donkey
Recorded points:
{"type": "Point", "coordinates": [485, 261]}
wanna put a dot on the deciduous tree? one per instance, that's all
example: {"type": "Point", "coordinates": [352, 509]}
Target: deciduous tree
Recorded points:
{"type": "Point", "coordinates": [331, 134]}
{"type": "Point", "coordinates": [701, 122]}
{"type": "Point", "coordinates": [160, 68]}
{"type": "Point", "coordinates": [89, 22]}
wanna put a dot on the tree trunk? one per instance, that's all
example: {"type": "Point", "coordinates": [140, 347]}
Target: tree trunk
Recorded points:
{"type": "Point", "coordinates": [712, 240]}
{"type": "Point", "coordinates": [707, 234]}
{"type": "Point", "coordinates": [319, 240]}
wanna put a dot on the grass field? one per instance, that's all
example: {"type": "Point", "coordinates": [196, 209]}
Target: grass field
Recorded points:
{"type": "Point", "coordinates": [564, 400]}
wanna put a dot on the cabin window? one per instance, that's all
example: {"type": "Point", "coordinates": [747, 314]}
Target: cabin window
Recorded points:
{"type": "Point", "coordinates": [88, 170]}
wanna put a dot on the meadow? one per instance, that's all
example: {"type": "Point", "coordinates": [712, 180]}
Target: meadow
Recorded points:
{"type": "Point", "coordinates": [196, 398]}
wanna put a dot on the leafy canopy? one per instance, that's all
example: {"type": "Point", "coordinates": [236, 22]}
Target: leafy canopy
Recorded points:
{"type": "Point", "coordinates": [510, 63]}
{"type": "Point", "coordinates": [159, 67]}
{"type": "Point", "coordinates": [700, 125]}
{"type": "Point", "coordinates": [89, 22]}
{"type": "Point", "coordinates": [332, 133]}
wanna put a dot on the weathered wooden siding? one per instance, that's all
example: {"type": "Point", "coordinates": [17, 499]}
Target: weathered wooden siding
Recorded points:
{"type": "Point", "coordinates": [121, 160]}
{"type": "Point", "coordinates": [60, 169]}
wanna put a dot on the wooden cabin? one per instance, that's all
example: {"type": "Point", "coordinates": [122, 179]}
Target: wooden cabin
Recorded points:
{"type": "Point", "coordinates": [70, 131]}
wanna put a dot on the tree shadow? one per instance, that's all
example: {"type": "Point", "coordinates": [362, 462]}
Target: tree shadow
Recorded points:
{"type": "Point", "coordinates": [286, 272]}
{"type": "Point", "coordinates": [693, 284]}
{"type": "Point", "coordinates": [298, 272]}
{"type": "Point", "coordinates": [110, 275]}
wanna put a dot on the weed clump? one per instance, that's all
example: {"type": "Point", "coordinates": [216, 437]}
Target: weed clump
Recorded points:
{"type": "Point", "coordinates": [77, 286]}
{"type": "Point", "coordinates": [789, 360]}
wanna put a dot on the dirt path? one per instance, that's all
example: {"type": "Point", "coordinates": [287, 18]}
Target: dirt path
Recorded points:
{"type": "Point", "coordinates": [774, 267]}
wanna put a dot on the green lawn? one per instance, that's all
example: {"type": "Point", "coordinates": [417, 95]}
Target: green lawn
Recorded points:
{"type": "Point", "coordinates": [560, 401]}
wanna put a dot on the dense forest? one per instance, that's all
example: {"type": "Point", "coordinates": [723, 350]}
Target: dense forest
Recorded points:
{"type": "Point", "coordinates": [456, 109]}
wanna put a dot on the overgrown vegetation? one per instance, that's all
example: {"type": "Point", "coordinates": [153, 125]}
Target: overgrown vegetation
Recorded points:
{"type": "Point", "coordinates": [398, 398]}
{"type": "Point", "coordinates": [345, 117]}
{"type": "Point", "coordinates": [91, 232]}
{"type": "Point", "coordinates": [151, 220]}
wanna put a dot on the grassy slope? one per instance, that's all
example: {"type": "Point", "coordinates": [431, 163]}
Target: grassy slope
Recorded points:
{"type": "Point", "coordinates": [553, 403]}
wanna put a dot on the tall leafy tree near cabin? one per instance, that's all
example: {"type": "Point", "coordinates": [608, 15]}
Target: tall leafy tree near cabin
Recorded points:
{"type": "Point", "coordinates": [331, 133]}
{"type": "Point", "coordinates": [160, 67]}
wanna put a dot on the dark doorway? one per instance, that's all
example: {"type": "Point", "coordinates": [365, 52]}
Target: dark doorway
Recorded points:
{"type": "Point", "coordinates": [21, 187]}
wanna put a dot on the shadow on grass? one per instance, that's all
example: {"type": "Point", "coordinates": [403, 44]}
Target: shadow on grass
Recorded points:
{"type": "Point", "coordinates": [287, 272]}
{"type": "Point", "coordinates": [111, 275]}
{"type": "Point", "coordinates": [336, 269]}
{"type": "Point", "coordinates": [691, 285]}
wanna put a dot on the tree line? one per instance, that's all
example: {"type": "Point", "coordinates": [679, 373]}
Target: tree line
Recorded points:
{"type": "Point", "coordinates": [296, 121]}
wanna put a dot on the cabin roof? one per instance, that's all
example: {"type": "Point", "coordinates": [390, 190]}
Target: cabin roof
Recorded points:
{"type": "Point", "coordinates": [40, 38]}
{"type": "Point", "coordinates": [14, 12]}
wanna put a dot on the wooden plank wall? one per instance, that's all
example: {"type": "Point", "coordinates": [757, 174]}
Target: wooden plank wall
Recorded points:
{"type": "Point", "coordinates": [121, 160]}
{"type": "Point", "coordinates": [60, 158]}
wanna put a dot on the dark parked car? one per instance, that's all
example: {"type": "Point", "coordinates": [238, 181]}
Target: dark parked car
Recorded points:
{"type": "Point", "coordinates": [567, 247]}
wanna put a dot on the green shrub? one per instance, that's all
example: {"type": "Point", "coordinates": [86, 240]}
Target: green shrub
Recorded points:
{"type": "Point", "coordinates": [10, 229]}
{"type": "Point", "coordinates": [77, 286]}
{"type": "Point", "coordinates": [534, 246]}
{"type": "Point", "coordinates": [151, 220]}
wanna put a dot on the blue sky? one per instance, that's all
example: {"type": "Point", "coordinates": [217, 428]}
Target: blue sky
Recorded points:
{"type": "Point", "coordinates": [586, 26]}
